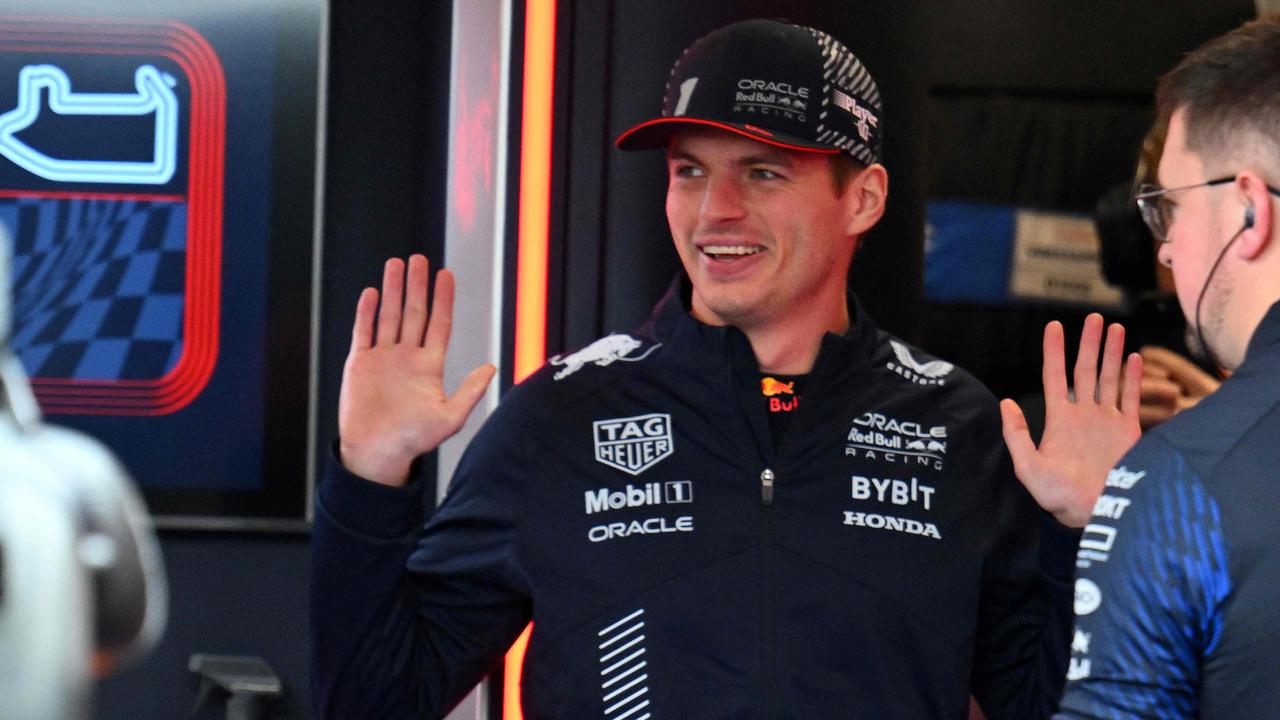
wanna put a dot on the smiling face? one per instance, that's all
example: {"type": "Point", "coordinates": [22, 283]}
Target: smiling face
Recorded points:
{"type": "Point", "coordinates": [762, 232]}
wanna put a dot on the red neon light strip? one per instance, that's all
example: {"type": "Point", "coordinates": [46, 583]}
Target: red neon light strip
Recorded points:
{"type": "Point", "coordinates": [534, 228]}
{"type": "Point", "coordinates": [74, 195]}
{"type": "Point", "coordinates": [535, 186]}
{"type": "Point", "coordinates": [512, 670]}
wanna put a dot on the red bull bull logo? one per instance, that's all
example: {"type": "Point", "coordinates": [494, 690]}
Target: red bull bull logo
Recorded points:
{"type": "Point", "coordinates": [771, 387]}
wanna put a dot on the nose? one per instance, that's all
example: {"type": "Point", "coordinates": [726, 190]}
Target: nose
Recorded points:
{"type": "Point", "coordinates": [722, 199]}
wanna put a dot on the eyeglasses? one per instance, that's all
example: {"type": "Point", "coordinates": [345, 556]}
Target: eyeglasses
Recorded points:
{"type": "Point", "coordinates": [1157, 209]}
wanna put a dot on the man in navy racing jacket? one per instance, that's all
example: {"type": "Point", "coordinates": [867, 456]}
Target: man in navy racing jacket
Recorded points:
{"type": "Point", "coordinates": [1179, 576]}
{"type": "Point", "coordinates": [757, 506]}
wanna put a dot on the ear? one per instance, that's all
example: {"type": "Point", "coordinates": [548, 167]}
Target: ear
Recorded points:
{"type": "Point", "coordinates": [1257, 219]}
{"type": "Point", "coordinates": [864, 198]}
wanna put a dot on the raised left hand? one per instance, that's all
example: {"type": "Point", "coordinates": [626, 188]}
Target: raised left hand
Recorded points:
{"type": "Point", "coordinates": [1085, 434]}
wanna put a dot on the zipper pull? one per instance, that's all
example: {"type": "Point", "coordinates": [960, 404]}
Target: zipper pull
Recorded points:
{"type": "Point", "coordinates": [766, 486]}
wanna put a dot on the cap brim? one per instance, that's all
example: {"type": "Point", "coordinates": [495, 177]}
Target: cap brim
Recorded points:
{"type": "Point", "coordinates": [653, 134]}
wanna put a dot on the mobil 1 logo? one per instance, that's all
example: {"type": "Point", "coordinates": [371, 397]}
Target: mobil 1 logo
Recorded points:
{"type": "Point", "coordinates": [633, 444]}
{"type": "Point", "coordinates": [674, 492]}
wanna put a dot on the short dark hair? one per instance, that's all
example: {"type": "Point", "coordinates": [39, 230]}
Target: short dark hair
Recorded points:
{"type": "Point", "coordinates": [843, 167]}
{"type": "Point", "coordinates": [1228, 87]}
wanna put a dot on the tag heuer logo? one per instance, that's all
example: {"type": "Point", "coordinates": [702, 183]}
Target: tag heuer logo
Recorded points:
{"type": "Point", "coordinates": [633, 444]}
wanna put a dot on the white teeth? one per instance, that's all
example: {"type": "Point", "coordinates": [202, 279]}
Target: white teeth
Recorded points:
{"type": "Point", "coordinates": [731, 249]}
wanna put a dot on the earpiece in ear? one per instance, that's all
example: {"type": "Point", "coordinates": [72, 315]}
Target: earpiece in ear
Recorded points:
{"type": "Point", "coordinates": [1248, 217]}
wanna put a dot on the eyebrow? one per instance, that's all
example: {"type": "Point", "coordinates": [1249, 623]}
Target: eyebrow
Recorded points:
{"type": "Point", "coordinates": [767, 158]}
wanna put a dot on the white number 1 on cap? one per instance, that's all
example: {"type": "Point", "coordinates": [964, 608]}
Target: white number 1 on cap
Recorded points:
{"type": "Point", "coordinates": [686, 92]}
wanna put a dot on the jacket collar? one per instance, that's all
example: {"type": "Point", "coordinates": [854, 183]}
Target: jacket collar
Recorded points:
{"type": "Point", "coordinates": [672, 323]}
{"type": "Point", "coordinates": [1266, 336]}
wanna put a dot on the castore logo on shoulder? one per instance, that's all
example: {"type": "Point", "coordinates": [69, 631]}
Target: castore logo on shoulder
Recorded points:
{"type": "Point", "coordinates": [933, 372]}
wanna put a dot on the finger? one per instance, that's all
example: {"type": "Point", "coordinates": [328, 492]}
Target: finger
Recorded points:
{"type": "Point", "coordinates": [441, 322]}
{"type": "Point", "coordinates": [1158, 360]}
{"type": "Point", "coordinates": [392, 297]}
{"type": "Point", "coordinates": [1150, 416]}
{"type": "Point", "coordinates": [415, 301]}
{"type": "Point", "coordinates": [1190, 376]}
{"type": "Point", "coordinates": [1202, 385]}
{"type": "Point", "coordinates": [1130, 400]}
{"type": "Point", "coordinates": [470, 392]}
{"type": "Point", "coordinates": [1153, 370]}
{"type": "Point", "coordinates": [1017, 437]}
{"type": "Point", "coordinates": [1156, 355]}
{"type": "Point", "coordinates": [1112, 362]}
{"type": "Point", "coordinates": [362, 328]}
{"type": "Point", "coordinates": [1086, 375]}
{"type": "Point", "coordinates": [1160, 392]}
{"type": "Point", "coordinates": [1053, 372]}
{"type": "Point", "coordinates": [1185, 402]}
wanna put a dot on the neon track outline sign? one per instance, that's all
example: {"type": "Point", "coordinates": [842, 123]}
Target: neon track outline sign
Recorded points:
{"type": "Point", "coordinates": [154, 95]}
{"type": "Point", "coordinates": [200, 88]}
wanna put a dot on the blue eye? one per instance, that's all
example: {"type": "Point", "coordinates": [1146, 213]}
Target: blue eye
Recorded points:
{"type": "Point", "coordinates": [686, 171]}
{"type": "Point", "coordinates": [764, 174]}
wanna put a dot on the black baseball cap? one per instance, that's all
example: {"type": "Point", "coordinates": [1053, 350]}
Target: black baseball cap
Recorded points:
{"type": "Point", "coordinates": [779, 83]}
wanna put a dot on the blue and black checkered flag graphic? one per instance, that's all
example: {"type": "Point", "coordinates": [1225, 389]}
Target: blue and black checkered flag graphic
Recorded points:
{"type": "Point", "coordinates": [98, 286]}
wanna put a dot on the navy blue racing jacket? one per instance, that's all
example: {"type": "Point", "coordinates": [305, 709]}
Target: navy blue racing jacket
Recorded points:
{"type": "Point", "coordinates": [1179, 581]}
{"type": "Point", "coordinates": [883, 562]}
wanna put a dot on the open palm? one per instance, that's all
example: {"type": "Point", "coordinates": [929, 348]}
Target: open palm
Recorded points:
{"type": "Point", "coordinates": [1084, 435]}
{"type": "Point", "coordinates": [393, 406]}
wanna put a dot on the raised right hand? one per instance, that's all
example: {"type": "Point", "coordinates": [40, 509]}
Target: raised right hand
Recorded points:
{"type": "Point", "coordinates": [392, 406]}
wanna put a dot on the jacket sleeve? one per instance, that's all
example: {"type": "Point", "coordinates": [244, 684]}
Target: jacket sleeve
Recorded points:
{"type": "Point", "coordinates": [406, 618]}
{"type": "Point", "coordinates": [1148, 613]}
{"type": "Point", "coordinates": [1024, 617]}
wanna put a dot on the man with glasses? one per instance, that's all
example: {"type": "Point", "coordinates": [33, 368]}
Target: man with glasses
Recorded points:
{"type": "Point", "coordinates": [1157, 205]}
{"type": "Point", "coordinates": [1179, 568]}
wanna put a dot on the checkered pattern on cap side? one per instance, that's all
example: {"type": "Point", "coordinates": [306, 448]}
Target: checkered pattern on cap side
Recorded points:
{"type": "Point", "coordinates": [98, 286]}
{"type": "Point", "coordinates": [841, 69]}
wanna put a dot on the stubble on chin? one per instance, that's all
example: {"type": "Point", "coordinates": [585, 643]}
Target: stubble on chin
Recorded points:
{"type": "Point", "coordinates": [715, 308]}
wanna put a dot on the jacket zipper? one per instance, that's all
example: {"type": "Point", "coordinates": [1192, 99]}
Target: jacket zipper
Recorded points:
{"type": "Point", "coordinates": [768, 638]}
{"type": "Point", "coordinates": [768, 479]}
